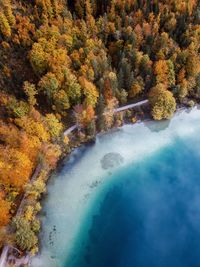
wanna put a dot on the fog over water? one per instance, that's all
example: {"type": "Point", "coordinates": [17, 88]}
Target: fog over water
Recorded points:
{"type": "Point", "coordinates": [132, 199]}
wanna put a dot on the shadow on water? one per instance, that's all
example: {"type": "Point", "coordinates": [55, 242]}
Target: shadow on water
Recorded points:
{"type": "Point", "coordinates": [155, 127]}
{"type": "Point", "coordinates": [149, 215]}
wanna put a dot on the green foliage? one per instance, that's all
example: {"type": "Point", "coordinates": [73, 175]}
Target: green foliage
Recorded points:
{"type": "Point", "coordinates": [54, 126]}
{"type": "Point", "coordinates": [49, 85]}
{"type": "Point", "coordinates": [38, 59]}
{"type": "Point", "coordinates": [91, 128]}
{"type": "Point", "coordinates": [123, 97]}
{"type": "Point", "coordinates": [25, 237]}
{"type": "Point", "coordinates": [18, 108]}
{"type": "Point", "coordinates": [71, 86]}
{"type": "Point", "coordinates": [136, 88]}
{"type": "Point", "coordinates": [35, 225]}
{"type": "Point", "coordinates": [31, 92]}
{"type": "Point", "coordinates": [163, 103]}
{"type": "Point", "coordinates": [87, 56]}
{"type": "Point", "coordinates": [171, 73]}
{"type": "Point", "coordinates": [35, 189]}
{"type": "Point", "coordinates": [47, 54]}
{"type": "Point", "coordinates": [100, 112]}
{"type": "Point", "coordinates": [61, 101]}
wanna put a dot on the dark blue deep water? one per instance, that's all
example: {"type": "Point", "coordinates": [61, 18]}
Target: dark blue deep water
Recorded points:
{"type": "Point", "coordinates": [149, 215]}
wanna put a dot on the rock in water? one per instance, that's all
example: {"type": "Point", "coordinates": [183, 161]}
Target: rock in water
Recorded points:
{"type": "Point", "coordinates": [111, 160]}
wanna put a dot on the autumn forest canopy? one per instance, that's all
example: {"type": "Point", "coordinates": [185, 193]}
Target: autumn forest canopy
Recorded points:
{"type": "Point", "coordinates": [83, 57]}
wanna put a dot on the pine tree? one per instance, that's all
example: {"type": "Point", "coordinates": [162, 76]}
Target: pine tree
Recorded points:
{"type": "Point", "coordinates": [100, 112]}
{"type": "Point", "coordinates": [171, 73]}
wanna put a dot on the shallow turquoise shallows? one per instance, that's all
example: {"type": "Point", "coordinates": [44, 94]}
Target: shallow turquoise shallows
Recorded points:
{"type": "Point", "coordinates": [130, 200]}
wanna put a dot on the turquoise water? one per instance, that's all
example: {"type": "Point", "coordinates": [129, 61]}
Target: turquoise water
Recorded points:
{"type": "Point", "coordinates": [150, 214]}
{"type": "Point", "coordinates": [144, 212]}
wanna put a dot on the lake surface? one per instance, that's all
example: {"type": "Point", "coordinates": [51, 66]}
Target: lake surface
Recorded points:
{"type": "Point", "coordinates": [132, 199]}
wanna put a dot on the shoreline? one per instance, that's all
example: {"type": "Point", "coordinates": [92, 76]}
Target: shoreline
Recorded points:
{"type": "Point", "coordinates": [65, 156]}
{"type": "Point", "coordinates": [76, 75]}
{"type": "Point", "coordinates": [162, 141]}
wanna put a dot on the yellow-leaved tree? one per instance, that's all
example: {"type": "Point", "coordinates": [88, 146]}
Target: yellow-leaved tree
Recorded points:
{"type": "Point", "coordinates": [90, 91]}
{"type": "Point", "coordinates": [162, 101]}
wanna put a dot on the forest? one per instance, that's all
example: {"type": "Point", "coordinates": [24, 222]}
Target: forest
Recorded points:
{"type": "Point", "coordinates": [84, 57]}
